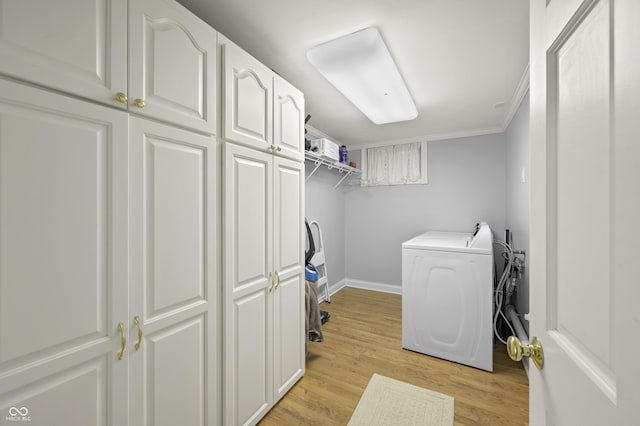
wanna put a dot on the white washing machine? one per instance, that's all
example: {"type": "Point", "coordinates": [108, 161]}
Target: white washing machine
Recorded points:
{"type": "Point", "coordinates": [447, 292]}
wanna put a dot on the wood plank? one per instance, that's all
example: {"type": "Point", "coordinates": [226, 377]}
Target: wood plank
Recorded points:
{"type": "Point", "coordinates": [364, 336]}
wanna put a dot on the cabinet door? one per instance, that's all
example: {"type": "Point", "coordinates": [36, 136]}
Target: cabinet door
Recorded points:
{"type": "Point", "coordinates": [75, 46]}
{"type": "Point", "coordinates": [173, 276]}
{"type": "Point", "coordinates": [172, 65]}
{"type": "Point", "coordinates": [288, 119]}
{"type": "Point", "coordinates": [248, 285]}
{"type": "Point", "coordinates": [247, 115]}
{"type": "Point", "coordinates": [63, 251]}
{"type": "Point", "coordinates": [288, 258]}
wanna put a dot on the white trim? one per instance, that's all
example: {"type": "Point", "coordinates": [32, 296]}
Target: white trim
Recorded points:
{"type": "Point", "coordinates": [430, 138]}
{"type": "Point", "coordinates": [518, 97]}
{"type": "Point", "coordinates": [333, 289]}
{"type": "Point", "coordinates": [370, 285]}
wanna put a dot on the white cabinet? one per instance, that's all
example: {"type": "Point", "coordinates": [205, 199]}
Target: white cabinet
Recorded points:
{"type": "Point", "coordinates": [80, 48]}
{"type": "Point", "coordinates": [107, 221]}
{"type": "Point", "coordinates": [64, 257]}
{"type": "Point", "coordinates": [173, 275]}
{"type": "Point", "coordinates": [261, 110]}
{"type": "Point", "coordinates": [172, 65]}
{"type": "Point", "coordinates": [288, 119]}
{"type": "Point", "coordinates": [263, 288]}
{"type": "Point", "coordinates": [75, 46]}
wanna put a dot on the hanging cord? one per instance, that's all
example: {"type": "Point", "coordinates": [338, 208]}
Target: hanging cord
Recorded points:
{"type": "Point", "coordinates": [499, 294]}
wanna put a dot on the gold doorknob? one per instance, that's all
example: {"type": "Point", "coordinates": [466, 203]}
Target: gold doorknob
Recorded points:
{"type": "Point", "coordinates": [139, 103]}
{"type": "Point", "coordinates": [121, 97]}
{"type": "Point", "coordinates": [517, 350]}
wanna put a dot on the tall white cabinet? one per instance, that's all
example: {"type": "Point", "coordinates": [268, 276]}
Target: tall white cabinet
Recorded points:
{"type": "Point", "coordinates": [143, 250]}
{"type": "Point", "coordinates": [63, 258]}
{"type": "Point", "coordinates": [263, 238]}
{"type": "Point", "coordinates": [109, 230]}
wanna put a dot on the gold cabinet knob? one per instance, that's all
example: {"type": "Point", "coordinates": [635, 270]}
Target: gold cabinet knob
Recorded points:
{"type": "Point", "coordinates": [121, 97]}
{"type": "Point", "coordinates": [272, 147]}
{"type": "Point", "coordinates": [139, 103]}
{"type": "Point", "coordinates": [517, 350]}
{"type": "Point", "coordinates": [279, 149]}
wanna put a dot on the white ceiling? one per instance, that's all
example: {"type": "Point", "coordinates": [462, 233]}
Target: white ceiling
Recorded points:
{"type": "Point", "coordinates": [465, 62]}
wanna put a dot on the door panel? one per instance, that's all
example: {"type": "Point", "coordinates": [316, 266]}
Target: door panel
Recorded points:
{"type": "Point", "coordinates": [83, 52]}
{"type": "Point", "coordinates": [248, 217]}
{"type": "Point", "coordinates": [288, 215]}
{"type": "Point", "coordinates": [248, 284]}
{"type": "Point", "coordinates": [173, 275]}
{"type": "Point", "coordinates": [174, 366]}
{"type": "Point", "coordinates": [63, 251]}
{"type": "Point", "coordinates": [289, 334]}
{"type": "Point", "coordinates": [251, 367]}
{"type": "Point", "coordinates": [583, 137]}
{"type": "Point", "coordinates": [172, 65]}
{"type": "Point", "coordinates": [174, 177]}
{"type": "Point", "coordinates": [247, 114]}
{"type": "Point", "coordinates": [288, 119]}
{"type": "Point", "coordinates": [76, 396]}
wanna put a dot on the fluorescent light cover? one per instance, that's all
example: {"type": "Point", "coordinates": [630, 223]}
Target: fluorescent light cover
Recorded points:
{"type": "Point", "coordinates": [360, 66]}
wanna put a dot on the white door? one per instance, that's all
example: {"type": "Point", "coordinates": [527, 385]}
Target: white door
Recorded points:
{"type": "Point", "coordinates": [173, 276]}
{"type": "Point", "coordinates": [63, 260]}
{"type": "Point", "coordinates": [75, 46]}
{"type": "Point", "coordinates": [248, 285]}
{"type": "Point", "coordinates": [247, 84]}
{"type": "Point", "coordinates": [288, 119]}
{"type": "Point", "coordinates": [172, 65]}
{"type": "Point", "coordinates": [288, 258]}
{"type": "Point", "coordinates": [585, 167]}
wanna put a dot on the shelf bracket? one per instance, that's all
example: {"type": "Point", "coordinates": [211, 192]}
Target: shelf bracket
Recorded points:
{"type": "Point", "coordinates": [346, 175]}
{"type": "Point", "coordinates": [318, 164]}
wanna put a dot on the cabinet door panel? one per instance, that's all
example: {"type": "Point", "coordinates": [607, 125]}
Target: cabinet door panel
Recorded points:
{"type": "Point", "coordinates": [173, 275]}
{"type": "Point", "coordinates": [247, 98]}
{"type": "Point", "coordinates": [63, 245]}
{"type": "Point", "coordinates": [289, 335]}
{"type": "Point", "coordinates": [252, 367]}
{"type": "Point", "coordinates": [172, 65]}
{"type": "Point", "coordinates": [72, 397]}
{"type": "Point", "coordinates": [174, 367]}
{"type": "Point", "coordinates": [288, 246]}
{"type": "Point", "coordinates": [288, 196]}
{"type": "Point", "coordinates": [75, 46]}
{"type": "Point", "coordinates": [288, 119]}
{"type": "Point", "coordinates": [174, 210]}
{"type": "Point", "coordinates": [248, 284]}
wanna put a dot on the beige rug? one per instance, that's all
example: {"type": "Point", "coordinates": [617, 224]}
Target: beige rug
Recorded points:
{"type": "Point", "coordinates": [387, 401]}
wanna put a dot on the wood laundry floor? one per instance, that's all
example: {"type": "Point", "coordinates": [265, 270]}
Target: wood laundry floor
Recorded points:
{"type": "Point", "coordinates": [364, 336]}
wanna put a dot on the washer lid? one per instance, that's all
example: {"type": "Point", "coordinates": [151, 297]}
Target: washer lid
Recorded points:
{"type": "Point", "coordinates": [463, 242]}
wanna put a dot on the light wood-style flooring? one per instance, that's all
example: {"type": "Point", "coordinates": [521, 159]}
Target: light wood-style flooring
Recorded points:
{"type": "Point", "coordinates": [364, 336]}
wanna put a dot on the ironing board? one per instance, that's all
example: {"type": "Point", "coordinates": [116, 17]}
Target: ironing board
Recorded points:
{"type": "Point", "coordinates": [319, 261]}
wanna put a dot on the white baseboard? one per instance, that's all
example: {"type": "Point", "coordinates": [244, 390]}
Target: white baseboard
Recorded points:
{"type": "Point", "coordinates": [333, 289]}
{"type": "Point", "coordinates": [365, 285]}
{"type": "Point", "coordinates": [370, 285]}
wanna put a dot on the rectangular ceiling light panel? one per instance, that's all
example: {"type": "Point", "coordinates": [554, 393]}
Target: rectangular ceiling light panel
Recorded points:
{"type": "Point", "coordinates": [360, 66]}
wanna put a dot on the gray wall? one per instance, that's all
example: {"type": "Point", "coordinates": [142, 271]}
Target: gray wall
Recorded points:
{"type": "Point", "coordinates": [467, 184]}
{"type": "Point", "coordinates": [517, 137]}
{"type": "Point", "coordinates": [327, 206]}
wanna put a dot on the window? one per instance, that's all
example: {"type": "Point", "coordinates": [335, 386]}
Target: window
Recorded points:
{"type": "Point", "coordinates": [404, 164]}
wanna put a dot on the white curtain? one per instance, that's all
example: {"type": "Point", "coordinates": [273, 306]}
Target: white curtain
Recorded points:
{"type": "Point", "coordinates": [395, 165]}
